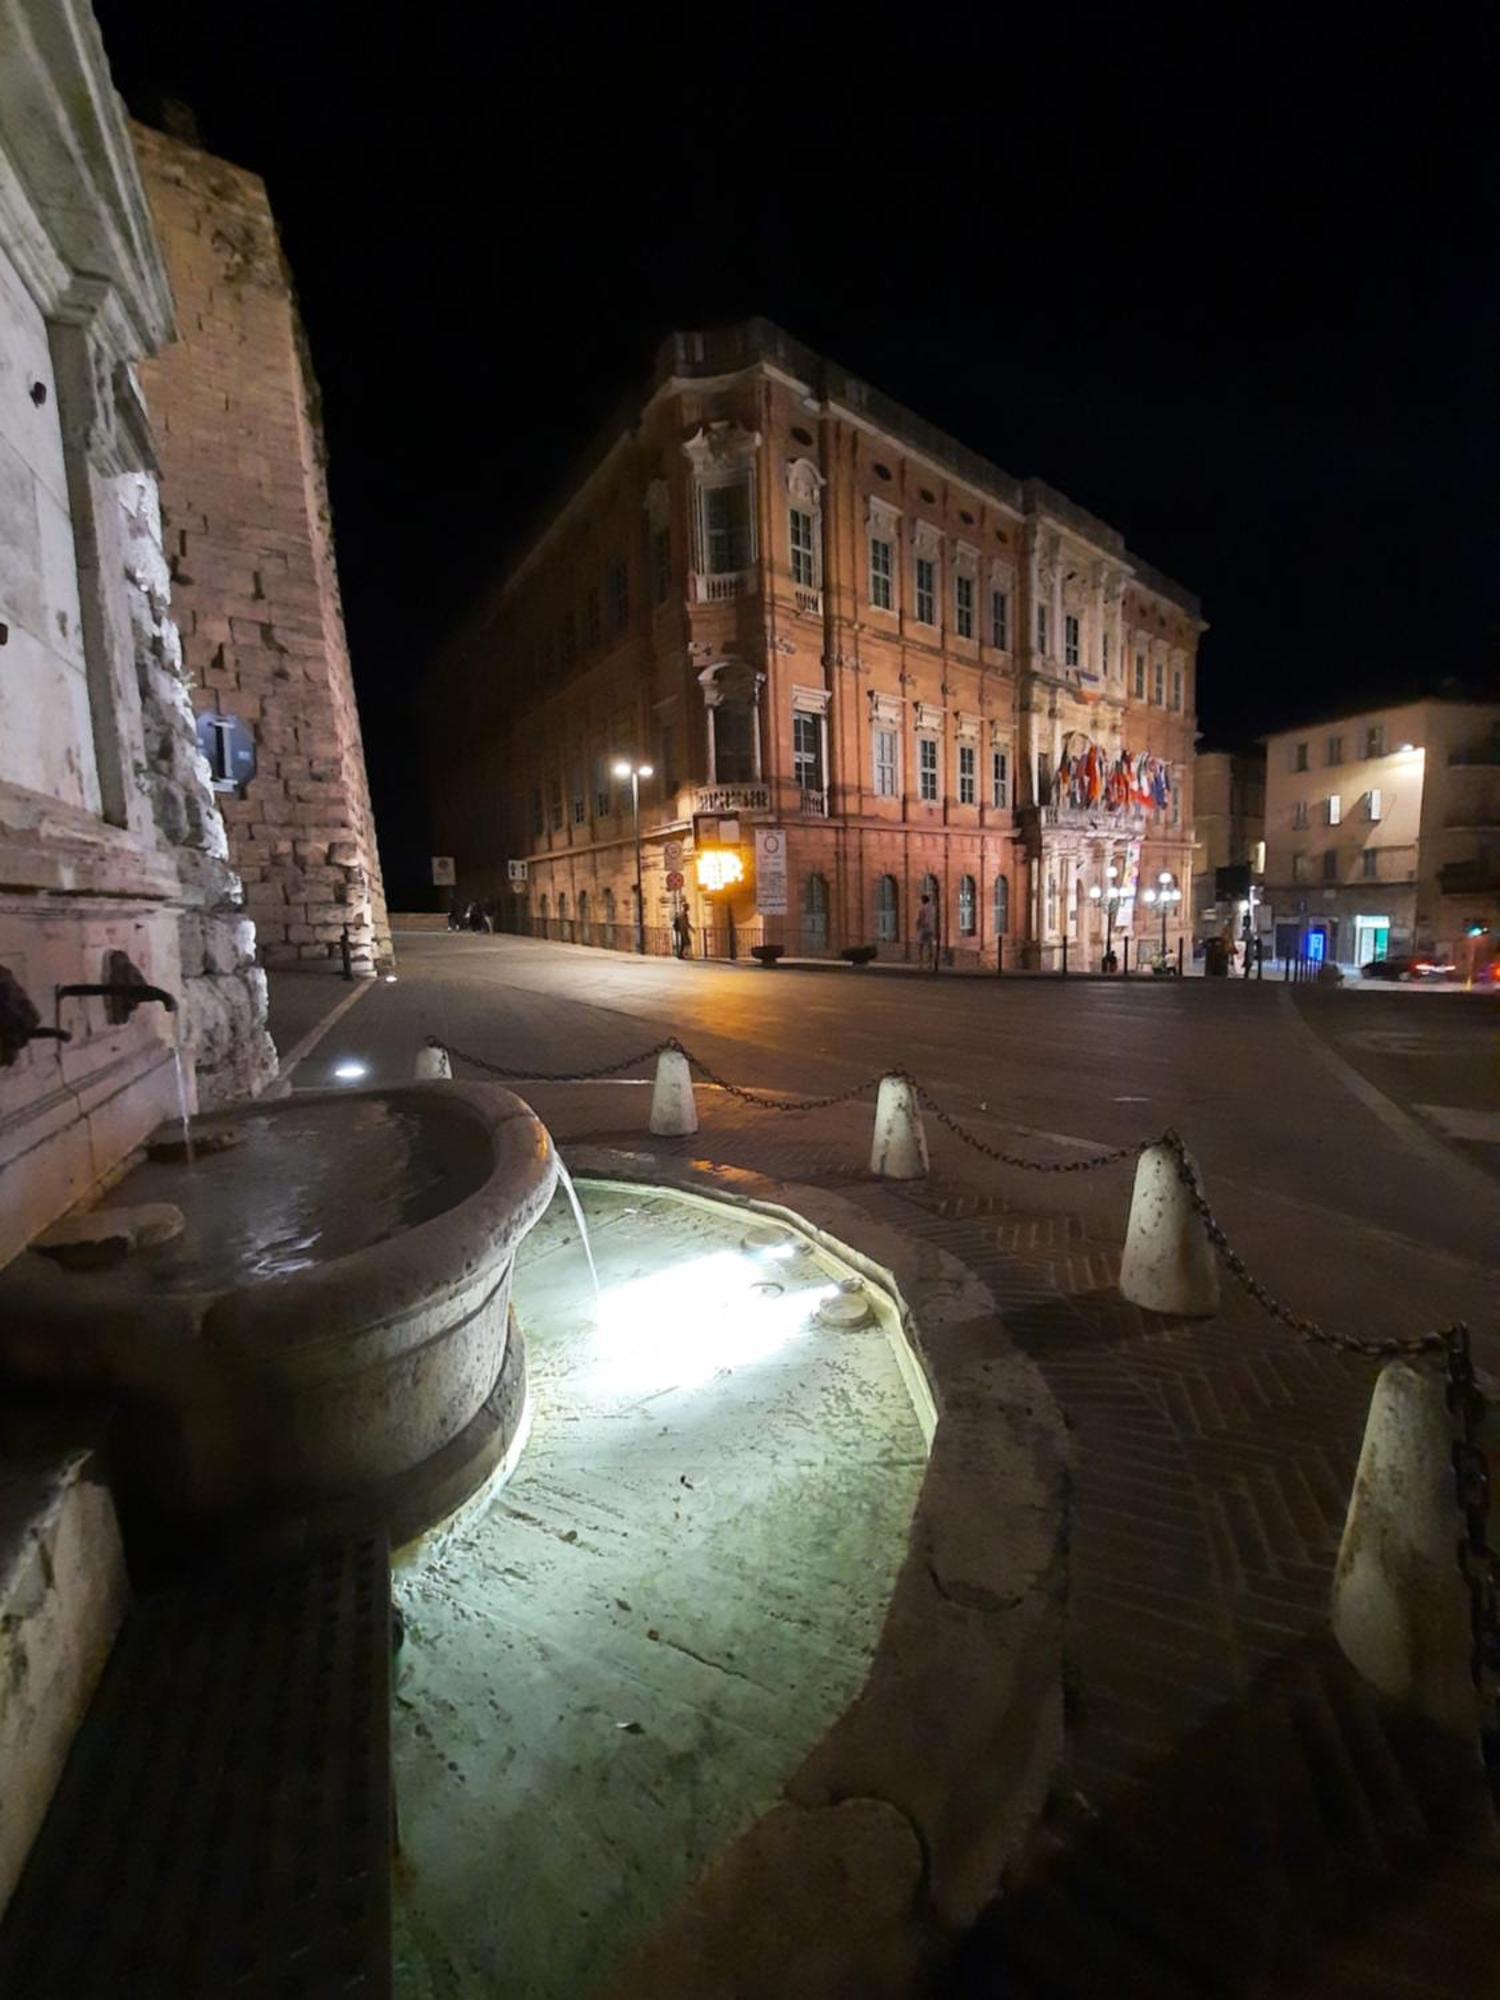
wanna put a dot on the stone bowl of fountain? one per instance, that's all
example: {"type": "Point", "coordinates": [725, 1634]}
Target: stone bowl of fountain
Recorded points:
{"type": "Point", "coordinates": [326, 1346]}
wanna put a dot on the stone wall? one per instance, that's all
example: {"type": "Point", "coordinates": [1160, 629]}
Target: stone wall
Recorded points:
{"type": "Point", "coordinates": [248, 537]}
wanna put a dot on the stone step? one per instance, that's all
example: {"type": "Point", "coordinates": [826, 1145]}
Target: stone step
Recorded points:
{"type": "Point", "coordinates": [63, 1594]}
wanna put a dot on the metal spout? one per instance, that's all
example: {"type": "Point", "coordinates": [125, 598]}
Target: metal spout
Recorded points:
{"type": "Point", "coordinates": [132, 994]}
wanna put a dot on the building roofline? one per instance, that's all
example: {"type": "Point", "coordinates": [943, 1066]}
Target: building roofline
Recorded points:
{"type": "Point", "coordinates": [1380, 707]}
{"type": "Point", "coordinates": [727, 352]}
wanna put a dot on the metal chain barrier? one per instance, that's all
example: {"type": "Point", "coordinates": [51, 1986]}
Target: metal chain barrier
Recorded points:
{"type": "Point", "coordinates": [1478, 1562]}
{"type": "Point", "coordinates": [951, 1124]}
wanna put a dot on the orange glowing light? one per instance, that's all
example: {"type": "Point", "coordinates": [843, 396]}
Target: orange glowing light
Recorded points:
{"type": "Point", "coordinates": [718, 868]}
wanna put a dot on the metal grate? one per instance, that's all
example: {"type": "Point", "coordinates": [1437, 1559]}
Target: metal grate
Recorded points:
{"type": "Point", "coordinates": [223, 1826]}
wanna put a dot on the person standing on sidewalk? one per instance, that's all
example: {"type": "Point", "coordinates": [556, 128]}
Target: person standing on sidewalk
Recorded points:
{"type": "Point", "coordinates": [682, 934]}
{"type": "Point", "coordinates": [926, 934]}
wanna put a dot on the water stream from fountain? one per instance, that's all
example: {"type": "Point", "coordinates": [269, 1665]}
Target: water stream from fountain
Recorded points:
{"type": "Point", "coordinates": [583, 1229]}
{"type": "Point", "coordinates": [182, 1101]}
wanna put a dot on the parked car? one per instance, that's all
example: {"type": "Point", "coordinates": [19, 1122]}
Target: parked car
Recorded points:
{"type": "Point", "coordinates": [1404, 965]}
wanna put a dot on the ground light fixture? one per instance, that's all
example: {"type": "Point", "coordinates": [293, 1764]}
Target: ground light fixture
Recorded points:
{"type": "Point", "coordinates": [350, 1070]}
{"type": "Point", "coordinates": [625, 767]}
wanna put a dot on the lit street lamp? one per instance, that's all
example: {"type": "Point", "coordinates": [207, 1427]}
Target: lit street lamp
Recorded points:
{"type": "Point", "coordinates": [1166, 895]}
{"type": "Point", "coordinates": [1109, 896]}
{"type": "Point", "coordinates": [635, 772]}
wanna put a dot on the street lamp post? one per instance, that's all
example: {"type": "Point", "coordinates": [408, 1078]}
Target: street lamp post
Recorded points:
{"type": "Point", "coordinates": [1109, 896]}
{"type": "Point", "coordinates": [635, 772]}
{"type": "Point", "coordinates": [1166, 895]}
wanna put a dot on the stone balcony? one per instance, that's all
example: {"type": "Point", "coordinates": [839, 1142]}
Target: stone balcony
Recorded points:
{"type": "Point", "coordinates": [722, 586]}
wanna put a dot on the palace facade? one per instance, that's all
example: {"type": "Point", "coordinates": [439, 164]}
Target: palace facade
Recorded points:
{"type": "Point", "coordinates": [862, 663]}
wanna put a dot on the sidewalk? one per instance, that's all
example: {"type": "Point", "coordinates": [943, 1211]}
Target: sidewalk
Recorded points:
{"type": "Point", "coordinates": [1237, 1813]}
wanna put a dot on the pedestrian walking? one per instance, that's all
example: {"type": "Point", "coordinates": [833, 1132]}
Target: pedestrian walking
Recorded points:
{"type": "Point", "coordinates": [682, 935]}
{"type": "Point", "coordinates": [927, 934]}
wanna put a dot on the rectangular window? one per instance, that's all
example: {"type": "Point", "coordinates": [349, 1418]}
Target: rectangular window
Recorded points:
{"type": "Point", "coordinates": [926, 591]}
{"type": "Point", "coordinates": [802, 548]}
{"type": "Point", "coordinates": [807, 752]}
{"type": "Point", "coordinates": [1331, 864]}
{"type": "Point", "coordinates": [1104, 653]}
{"type": "Point", "coordinates": [885, 763]}
{"type": "Point", "coordinates": [1000, 620]}
{"type": "Point", "coordinates": [1299, 813]}
{"type": "Point", "coordinates": [619, 596]}
{"type": "Point", "coordinates": [968, 775]}
{"type": "Point", "coordinates": [1070, 640]}
{"type": "Point", "coordinates": [999, 778]}
{"type": "Point", "coordinates": [661, 565]}
{"type": "Point", "coordinates": [927, 768]}
{"type": "Point", "coordinates": [1299, 756]}
{"type": "Point", "coordinates": [726, 521]}
{"type": "Point", "coordinates": [1177, 688]}
{"type": "Point", "coordinates": [881, 594]}
{"type": "Point", "coordinates": [580, 810]}
{"type": "Point", "coordinates": [604, 797]}
{"type": "Point", "coordinates": [1159, 683]}
{"type": "Point", "coordinates": [1140, 676]}
{"type": "Point", "coordinates": [1375, 740]}
{"type": "Point", "coordinates": [1041, 630]}
{"type": "Point", "coordinates": [1335, 809]}
{"type": "Point", "coordinates": [1369, 863]}
{"type": "Point", "coordinates": [1335, 750]}
{"type": "Point", "coordinates": [1299, 867]}
{"type": "Point", "coordinates": [1372, 803]}
{"type": "Point", "coordinates": [963, 605]}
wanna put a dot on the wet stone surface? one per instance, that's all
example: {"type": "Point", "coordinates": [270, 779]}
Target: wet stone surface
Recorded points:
{"type": "Point", "coordinates": [613, 1671]}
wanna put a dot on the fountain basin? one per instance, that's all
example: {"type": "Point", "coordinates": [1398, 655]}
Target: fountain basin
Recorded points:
{"type": "Point", "coordinates": [328, 1346]}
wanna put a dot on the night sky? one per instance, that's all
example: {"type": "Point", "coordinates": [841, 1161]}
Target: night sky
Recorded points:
{"type": "Point", "coordinates": [1232, 287]}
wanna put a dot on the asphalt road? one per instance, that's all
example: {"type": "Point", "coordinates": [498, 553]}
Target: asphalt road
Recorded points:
{"type": "Point", "coordinates": [1301, 1118]}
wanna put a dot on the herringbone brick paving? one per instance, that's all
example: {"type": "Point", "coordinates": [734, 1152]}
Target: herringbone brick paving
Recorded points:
{"type": "Point", "coordinates": [1237, 1813]}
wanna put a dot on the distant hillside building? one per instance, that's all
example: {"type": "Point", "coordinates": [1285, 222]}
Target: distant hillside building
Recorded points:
{"type": "Point", "coordinates": [863, 663]}
{"type": "Point", "coordinates": [254, 587]}
{"type": "Point", "coordinates": [1383, 832]}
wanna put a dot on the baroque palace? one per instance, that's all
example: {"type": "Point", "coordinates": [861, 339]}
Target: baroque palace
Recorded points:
{"type": "Point", "coordinates": [863, 665]}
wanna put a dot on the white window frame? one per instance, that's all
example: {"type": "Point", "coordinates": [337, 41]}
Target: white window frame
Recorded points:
{"type": "Point", "coordinates": [1335, 809]}
{"type": "Point", "coordinates": [1374, 805]}
{"type": "Point", "coordinates": [924, 589]}
{"type": "Point", "coordinates": [1159, 683]}
{"type": "Point", "coordinates": [1000, 775]}
{"type": "Point", "coordinates": [1177, 690]}
{"type": "Point", "coordinates": [929, 768]}
{"type": "Point", "coordinates": [963, 605]}
{"type": "Point", "coordinates": [1072, 639]}
{"type": "Point", "coordinates": [1000, 618]}
{"type": "Point", "coordinates": [802, 541]}
{"type": "Point", "coordinates": [882, 573]}
{"type": "Point", "coordinates": [968, 774]}
{"type": "Point", "coordinates": [1140, 676]}
{"type": "Point", "coordinates": [887, 770]}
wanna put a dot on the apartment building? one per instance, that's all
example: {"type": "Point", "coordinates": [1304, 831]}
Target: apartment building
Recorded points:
{"type": "Point", "coordinates": [863, 664]}
{"type": "Point", "coordinates": [1383, 832]}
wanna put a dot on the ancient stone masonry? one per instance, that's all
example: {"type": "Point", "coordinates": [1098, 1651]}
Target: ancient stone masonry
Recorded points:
{"type": "Point", "coordinates": [223, 989]}
{"type": "Point", "coordinates": [248, 539]}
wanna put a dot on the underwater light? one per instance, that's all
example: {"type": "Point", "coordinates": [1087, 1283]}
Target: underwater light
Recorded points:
{"type": "Point", "coordinates": [350, 1071]}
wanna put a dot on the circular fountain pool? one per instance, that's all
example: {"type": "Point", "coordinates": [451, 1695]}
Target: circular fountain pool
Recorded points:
{"type": "Point", "coordinates": [614, 1670]}
{"type": "Point", "coordinates": [325, 1347]}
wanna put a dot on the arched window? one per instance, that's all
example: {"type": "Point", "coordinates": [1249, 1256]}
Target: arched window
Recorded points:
{"type": "Point", "coordinates": [815, 913]}
{"type": "Point", "coordinates": [609, 906]}
{"type": "Point", "coordinates": [563, 927]}
{"type": "Point", "coordinates": [1002, 905]}
{"type": "Point", "coordinates": [583, 915]}
{"type": "Point", "coordinates": [887, 910]}
{"type": "Point", "coordinates": [968, 906]}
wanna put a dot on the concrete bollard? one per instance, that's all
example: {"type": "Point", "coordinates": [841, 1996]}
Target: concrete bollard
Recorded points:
{"type": "Point", "coordinates": [899, 1148]}
{"type": "Point", "coordinates": [1169, 1264]}
{"type": "Point", "coordinates": [1400, 1609]}
{"type": "Point", "coordinates": [674, 1110]}
{"type": "Point", "coordinates": [433, 1066]}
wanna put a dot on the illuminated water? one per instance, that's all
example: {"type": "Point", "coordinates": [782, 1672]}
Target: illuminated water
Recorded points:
{"type": "Point", "coordinates": [182, 1098]}
{"type": "Point", "coordinates": [311, 1182]}
{"type": "Point", "coordinates": [583, 1229]}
